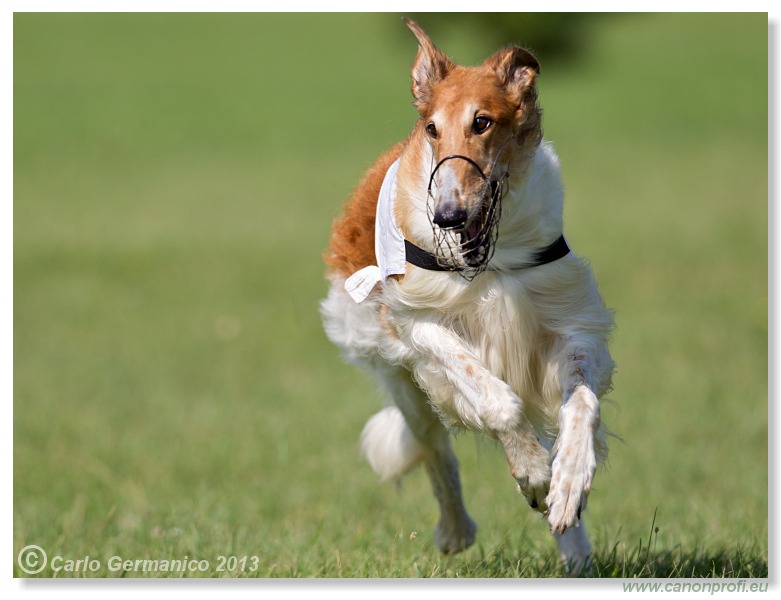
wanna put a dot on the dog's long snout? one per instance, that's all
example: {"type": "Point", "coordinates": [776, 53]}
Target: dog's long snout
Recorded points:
{"type": "Point", "coordinates": [455, 183]}
{"type": "Point", "coordinates": [450, 217]}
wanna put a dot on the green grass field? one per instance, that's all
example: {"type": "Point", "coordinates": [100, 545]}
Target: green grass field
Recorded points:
{"type": "Point", "coordinates": [175, 177]}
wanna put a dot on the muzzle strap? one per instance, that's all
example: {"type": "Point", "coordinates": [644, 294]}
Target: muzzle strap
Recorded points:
{"type": "Point", "coordinates": [426, 260]}
{"type": "Point", "coordinates": [558, 249]}
{"type": "Point", "coordinates": [422, 258]}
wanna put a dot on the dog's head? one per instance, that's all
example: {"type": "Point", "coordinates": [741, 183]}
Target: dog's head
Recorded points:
{"type": "Point", "coordinates": [479, 121]}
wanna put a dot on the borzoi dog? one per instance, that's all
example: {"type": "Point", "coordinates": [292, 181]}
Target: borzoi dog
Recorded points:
{"type": "Point", "coordinates": [452, 282]}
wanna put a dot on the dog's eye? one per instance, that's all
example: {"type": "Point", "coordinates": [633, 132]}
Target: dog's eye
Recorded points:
{"type": "Point", "coordinates": [431, 129]}
{"type": "Point", "coordinates": [481, 124]}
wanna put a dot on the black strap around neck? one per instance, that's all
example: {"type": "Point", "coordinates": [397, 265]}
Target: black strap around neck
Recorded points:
{"type": "Point", "coordinates": [425, 260]}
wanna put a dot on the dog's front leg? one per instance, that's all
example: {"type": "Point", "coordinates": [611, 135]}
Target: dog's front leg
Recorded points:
{"type": "Point", "coordinates": [461, 385]}
{"type": "Point", "coordinates": [575, 460]}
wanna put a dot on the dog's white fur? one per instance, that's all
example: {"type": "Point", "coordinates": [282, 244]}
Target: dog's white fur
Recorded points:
{"type": "Point", "coordinates": [520, 355]}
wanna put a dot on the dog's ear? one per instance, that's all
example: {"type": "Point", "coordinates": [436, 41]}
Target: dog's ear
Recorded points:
{"type": "Point", "coordinates": [431, 66]}
{"type": "Point", "coordinates": [516, 68]}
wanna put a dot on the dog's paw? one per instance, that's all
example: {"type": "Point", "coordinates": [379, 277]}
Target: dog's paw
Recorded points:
{"type": "Point", "coordinates": [529, 465]}
{"type": "Point", "coordinates": [572, 476]}
{"type": "Point", "coordinates": [454, 536]}
{"type": "Point", "coordinates": [534, 484]}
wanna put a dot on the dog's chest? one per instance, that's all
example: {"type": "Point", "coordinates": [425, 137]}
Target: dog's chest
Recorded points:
{"type": "Point", "coordinates": [506, 334]}
{"type": "Point", "coordinates": [502, 329]}
{"type": "Point", "coordinates": [497, 322]}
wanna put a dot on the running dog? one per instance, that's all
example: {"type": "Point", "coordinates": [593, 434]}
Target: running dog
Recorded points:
{"type": "Point", "coordinates": [452, 282]}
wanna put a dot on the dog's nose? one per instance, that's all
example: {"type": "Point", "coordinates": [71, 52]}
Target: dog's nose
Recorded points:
{"type": "Point", "coordinates": [450, 218]}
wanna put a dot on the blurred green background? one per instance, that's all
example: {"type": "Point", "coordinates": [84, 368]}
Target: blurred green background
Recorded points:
{"type": "Point", "coordinates": [175, 177]}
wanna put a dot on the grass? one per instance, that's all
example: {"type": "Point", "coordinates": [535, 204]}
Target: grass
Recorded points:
{"type": "Point", "coordinates": [175, 177]}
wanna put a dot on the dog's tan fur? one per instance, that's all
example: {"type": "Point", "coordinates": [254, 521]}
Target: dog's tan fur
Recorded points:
{"type": "Point", "coordinates": [352, 242]}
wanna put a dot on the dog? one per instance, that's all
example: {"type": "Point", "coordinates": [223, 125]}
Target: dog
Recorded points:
{"type": "Point", "coordinates": [452, 283]}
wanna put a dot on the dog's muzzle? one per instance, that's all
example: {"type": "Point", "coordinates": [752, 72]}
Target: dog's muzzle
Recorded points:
{"type": "Point", "coordinates": [462, 242]}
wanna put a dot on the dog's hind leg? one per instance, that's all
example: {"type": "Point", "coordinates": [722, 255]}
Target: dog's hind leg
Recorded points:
{"type": "Point", "coordinates": [403, 435]}
{"type": "Point", "coordinates": [574, 549]}
{"type": "Point", "coordinates": [455, 530]}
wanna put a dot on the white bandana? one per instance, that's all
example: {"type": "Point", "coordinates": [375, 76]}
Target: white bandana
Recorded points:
{"type": "Point", "coordinates": [388, 244]}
